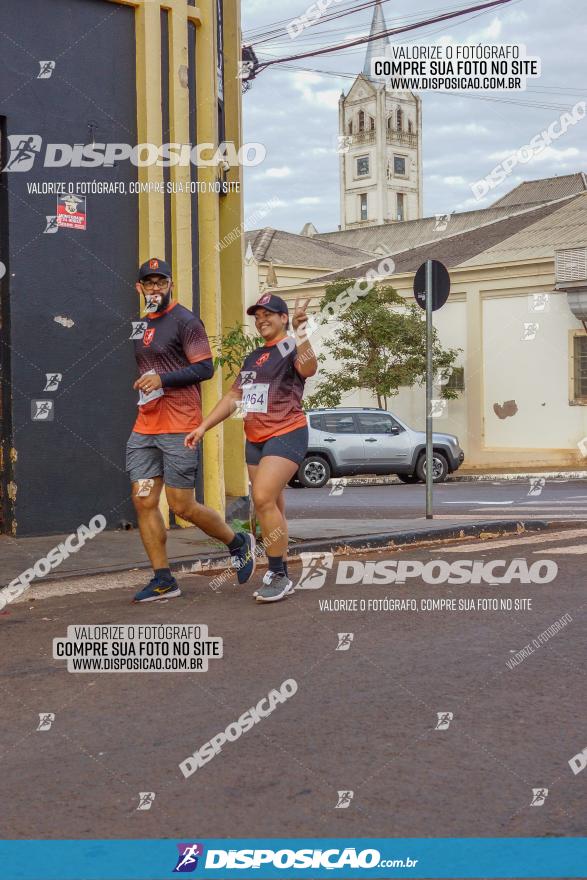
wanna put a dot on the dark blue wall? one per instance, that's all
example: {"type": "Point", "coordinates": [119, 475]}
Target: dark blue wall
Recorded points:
{"type": "Point", "coordinates": [72, 468]}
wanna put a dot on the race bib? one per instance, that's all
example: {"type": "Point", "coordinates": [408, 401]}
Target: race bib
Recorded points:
{"type": "Point", "coordinates": [147, 398]}
{"type": "Point", "coordinates": [255, 397]}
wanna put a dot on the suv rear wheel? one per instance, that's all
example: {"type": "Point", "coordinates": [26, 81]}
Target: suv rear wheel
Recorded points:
{"type": "Point", "coordinates": [439, 467]}
{"type": "Point", "coordinates": [314, 472]}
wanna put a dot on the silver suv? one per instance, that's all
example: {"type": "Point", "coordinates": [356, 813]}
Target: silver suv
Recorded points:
{"type": "Point", "coordinates": [359, 440]}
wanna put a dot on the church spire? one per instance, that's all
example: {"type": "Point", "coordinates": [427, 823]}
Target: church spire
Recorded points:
{"type": "Point", "coordinates": [376, 47]}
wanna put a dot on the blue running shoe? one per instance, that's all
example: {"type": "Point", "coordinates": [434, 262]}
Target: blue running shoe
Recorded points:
{"type": "Point", "coordinates": [157, 590]}
{"type": "Point", "coordinates": [244, 559]}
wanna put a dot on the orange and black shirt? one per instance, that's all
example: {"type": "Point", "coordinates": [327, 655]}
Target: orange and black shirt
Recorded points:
{"type": "Point", "coordinates": [271, 390]}
{"type": "Point", "coordinates": [173, 340]}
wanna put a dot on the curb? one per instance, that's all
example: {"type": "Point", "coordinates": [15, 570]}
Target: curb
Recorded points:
{"type": "Point", "coordinates": [398, 539]}
{"type": "Point", "coordinates": [469, 478]}
{"type": "Point", "coordinates": [367, 542]}
{"type": "Point", "coordinates": [215, 561]}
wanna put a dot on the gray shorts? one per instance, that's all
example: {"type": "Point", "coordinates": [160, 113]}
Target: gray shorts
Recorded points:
{"type": "Point", "coordinates": [162, 455]}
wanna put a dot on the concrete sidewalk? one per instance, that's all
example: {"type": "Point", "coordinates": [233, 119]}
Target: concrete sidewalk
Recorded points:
{"type": "Point", "coordinates": [115, 551]}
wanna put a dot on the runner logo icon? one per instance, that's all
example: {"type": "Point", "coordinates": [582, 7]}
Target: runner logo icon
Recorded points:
{"type": "Point", "coordinates": [314, 571]}
{"type": "Point", "coordinates": [444, 719]}
{"type": "Point", "coordinates": [23, 151]}
{"type": "Point", "coordinates": [187, 861]}
{"type": "Point", "coordinates": [539, 795]}
{"type": "Point", "coordinates": [46, 719]}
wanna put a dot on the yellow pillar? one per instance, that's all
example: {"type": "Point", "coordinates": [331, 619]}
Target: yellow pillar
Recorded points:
{"type": "Point", "coordinates": [179, 132]}
{"type": "Point", "coordinates": [208, 218]}
{"type": "Point", "coordinates": [149, 127]}
{"type": "Point", "coordinates": [150, 131]}
{"type": "Point", "coordinates": [232, 256]}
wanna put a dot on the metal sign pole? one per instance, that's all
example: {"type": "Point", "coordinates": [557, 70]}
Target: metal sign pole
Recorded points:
{"type": "Point", "coordinates": [429, 380]}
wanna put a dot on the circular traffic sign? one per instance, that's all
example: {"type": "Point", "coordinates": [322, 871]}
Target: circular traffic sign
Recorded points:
{"type": "Point", "coordinates": [440, 285]}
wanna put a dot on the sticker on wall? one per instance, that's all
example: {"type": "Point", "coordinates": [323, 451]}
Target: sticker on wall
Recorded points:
{"type": "Point", "coordinates": [71, 212]}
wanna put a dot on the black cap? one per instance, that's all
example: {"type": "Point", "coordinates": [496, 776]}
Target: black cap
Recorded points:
{"type": "Point", "coordinates": [270, 302]}
{"type": "Point", "coordinates": [154, 266]}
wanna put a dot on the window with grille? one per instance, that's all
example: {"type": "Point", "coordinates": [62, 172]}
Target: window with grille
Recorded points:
{"type": "Point", "coordinates": [363, 198]}
{"type": "Point", "coordinates": [456, 380]}
{"type": "Point", "coordinates": [580, 367]}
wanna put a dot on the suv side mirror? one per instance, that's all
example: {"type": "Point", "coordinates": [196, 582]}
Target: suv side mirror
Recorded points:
{"type": "Point", "coordinates": [395, 429]}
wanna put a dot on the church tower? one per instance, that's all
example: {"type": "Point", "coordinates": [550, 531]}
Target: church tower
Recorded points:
{"type": "Point", "coordinates": [380, 146]}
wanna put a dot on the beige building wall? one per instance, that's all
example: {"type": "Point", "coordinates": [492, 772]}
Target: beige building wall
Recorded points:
{"type": "Point", "coordinates": [539, 383]}
{"type": "Point", "coordinates": [485, 316]}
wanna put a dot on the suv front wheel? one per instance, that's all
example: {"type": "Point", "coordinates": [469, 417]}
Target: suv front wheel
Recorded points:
{"type": "Point", "coordinates": [439, 467]}
{"type": "Point", "coordinates": [314, 472]}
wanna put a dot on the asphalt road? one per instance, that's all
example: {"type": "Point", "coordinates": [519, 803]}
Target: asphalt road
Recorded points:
{"type": "Point", "coordinates": [364, 719]}
{"type": "Point", "coordinates": [555, 499]}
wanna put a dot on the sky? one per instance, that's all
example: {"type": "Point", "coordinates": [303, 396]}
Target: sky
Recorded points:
{"type": "Point", "coordinates": [294, 112]}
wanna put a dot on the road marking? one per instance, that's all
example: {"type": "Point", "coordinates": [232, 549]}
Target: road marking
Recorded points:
{"type": "Point", "coordinates": [518, 539]}
{"type": "Point", "coordinates": [535, 509]}
{"type": "Point", "coordinates": [576, 549]}
{"type": "Point", "coordinates": [499, 517]}
{"type": "Point", "coordinates": [492, 503]}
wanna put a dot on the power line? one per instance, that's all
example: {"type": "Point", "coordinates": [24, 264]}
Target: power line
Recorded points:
{"type": "Point", "coordinates": [314, 35]}
{"type": "Point", "coordinates": [331, 16]}
{"type": "Point", "coordinates": [389, 32]}
{"type": "Point", "coordinates": [279, 26]}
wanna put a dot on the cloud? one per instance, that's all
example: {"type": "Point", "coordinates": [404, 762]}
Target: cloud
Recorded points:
{"type": "Point", "coordinates": [453, 181]}
{"type": "Point", "coordinates": [308, 200]}
{"type": "Point", "coordinates": [284, 171]}
{"type": "Point", "coordinates": [459, 128]}
{"type": "Point", "coordinates": [306, 83]}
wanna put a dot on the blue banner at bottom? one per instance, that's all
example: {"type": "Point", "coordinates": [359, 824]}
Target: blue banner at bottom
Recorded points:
{"type": "Point", "coordinates": [287, 858]}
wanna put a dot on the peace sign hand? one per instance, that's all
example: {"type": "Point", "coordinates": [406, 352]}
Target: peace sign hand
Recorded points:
{"type": "Point", "coordinates": [300, 318]}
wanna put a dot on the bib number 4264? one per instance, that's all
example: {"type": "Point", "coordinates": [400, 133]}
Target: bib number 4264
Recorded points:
{"type": "Point", "coordinates": [255, 398]}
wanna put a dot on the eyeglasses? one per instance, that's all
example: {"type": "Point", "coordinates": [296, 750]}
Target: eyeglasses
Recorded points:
{"type": "Point", "coordinates": [160, 285]}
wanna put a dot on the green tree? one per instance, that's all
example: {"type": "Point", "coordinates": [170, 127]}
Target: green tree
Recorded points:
{"type": "Point", "coordinates": [378, 343]}
{"type": "Point", "coordinates": [233, 346]}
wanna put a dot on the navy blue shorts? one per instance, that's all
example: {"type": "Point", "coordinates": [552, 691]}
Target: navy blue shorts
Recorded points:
{"type": "Point", "coordinates": [292, 446]}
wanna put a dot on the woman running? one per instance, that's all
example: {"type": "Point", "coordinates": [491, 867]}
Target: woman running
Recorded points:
{"type": "Point", "coordinates": [269, 388]}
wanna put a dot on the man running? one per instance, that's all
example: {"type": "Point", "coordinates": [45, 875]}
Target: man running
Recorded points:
{"type": "Point", "coordinates": [270, 388]}
{"type": "Point", "coordinates": [173, 357]}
